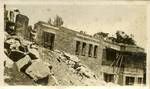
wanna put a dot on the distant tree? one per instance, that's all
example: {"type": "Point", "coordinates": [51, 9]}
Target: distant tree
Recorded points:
{"type": "Point", "coordinates": [101, 34]}
{"type": "Point", "coordinates": [58, 21]}
{"type": "Point", "coordinates": [119, 37]}
{"type": "Point", "coordinates": [122, 37]}
{"type": "Point", "coordinates": [113, 39]}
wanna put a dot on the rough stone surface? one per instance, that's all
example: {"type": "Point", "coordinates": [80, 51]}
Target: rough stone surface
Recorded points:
{"type": "Point", "coordinates": [33, 53]}
{"type": "Point", "coordinates": [38, 70]}
{"type": "Point", "coordinates": [23, 61]}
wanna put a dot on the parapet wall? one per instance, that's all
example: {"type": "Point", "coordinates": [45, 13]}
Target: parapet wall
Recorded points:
{"type": "Point", "coordinates": [122, 47]}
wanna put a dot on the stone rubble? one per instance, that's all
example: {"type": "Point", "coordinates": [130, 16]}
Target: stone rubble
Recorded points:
{"type": "Point", "coordinates": [74, 63]}
{"type": "Point", "coordinates": [38, 70]}
{"type": "Point", "coordinates": [23, 61]}
{"type": "Point", "coordinates": [27, 58]}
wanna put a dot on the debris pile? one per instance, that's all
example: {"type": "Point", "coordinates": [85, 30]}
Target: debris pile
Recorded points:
{"type": "Point", "coordinates": [40, 66]}
{"type": "Point", "coordinates": [74, 64]}
{"type": "Point", "coordinates": [86, 76]}
{"type": "Point", "coordinates": [69, 70]}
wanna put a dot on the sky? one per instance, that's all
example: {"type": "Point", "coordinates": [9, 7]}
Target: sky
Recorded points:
{"type": "Point", "coordinates": [93, 18]}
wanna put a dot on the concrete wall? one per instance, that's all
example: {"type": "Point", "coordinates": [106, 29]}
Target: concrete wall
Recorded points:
{"type": "Point", "coordinates": [130, 72]}
{"type": "Point", "coordinates": [21, 25]}
{"type": "Point", "coordinates": [63, 38]}
{"type": "Point", "coordinates": [92, 62]}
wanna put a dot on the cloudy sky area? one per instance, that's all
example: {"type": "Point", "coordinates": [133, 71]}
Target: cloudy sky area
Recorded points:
{"type": "Point", "coordinates": [93, 18]}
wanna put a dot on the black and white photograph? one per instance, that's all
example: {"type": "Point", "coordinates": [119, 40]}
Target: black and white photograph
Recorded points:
{"type": "Point", "coordinates": [75, 44]}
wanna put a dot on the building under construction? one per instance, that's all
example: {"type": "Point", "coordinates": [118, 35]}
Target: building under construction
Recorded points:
{"type": "Point", "coordinates": [118, 63]}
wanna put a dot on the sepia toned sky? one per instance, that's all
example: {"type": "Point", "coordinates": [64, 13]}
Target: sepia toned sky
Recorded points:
{"type": "Point", "coordinates": [93, 18]}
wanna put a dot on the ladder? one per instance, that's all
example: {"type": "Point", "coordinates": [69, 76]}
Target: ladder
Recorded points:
{"type": "Point", "coordinates": [117, 65]}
